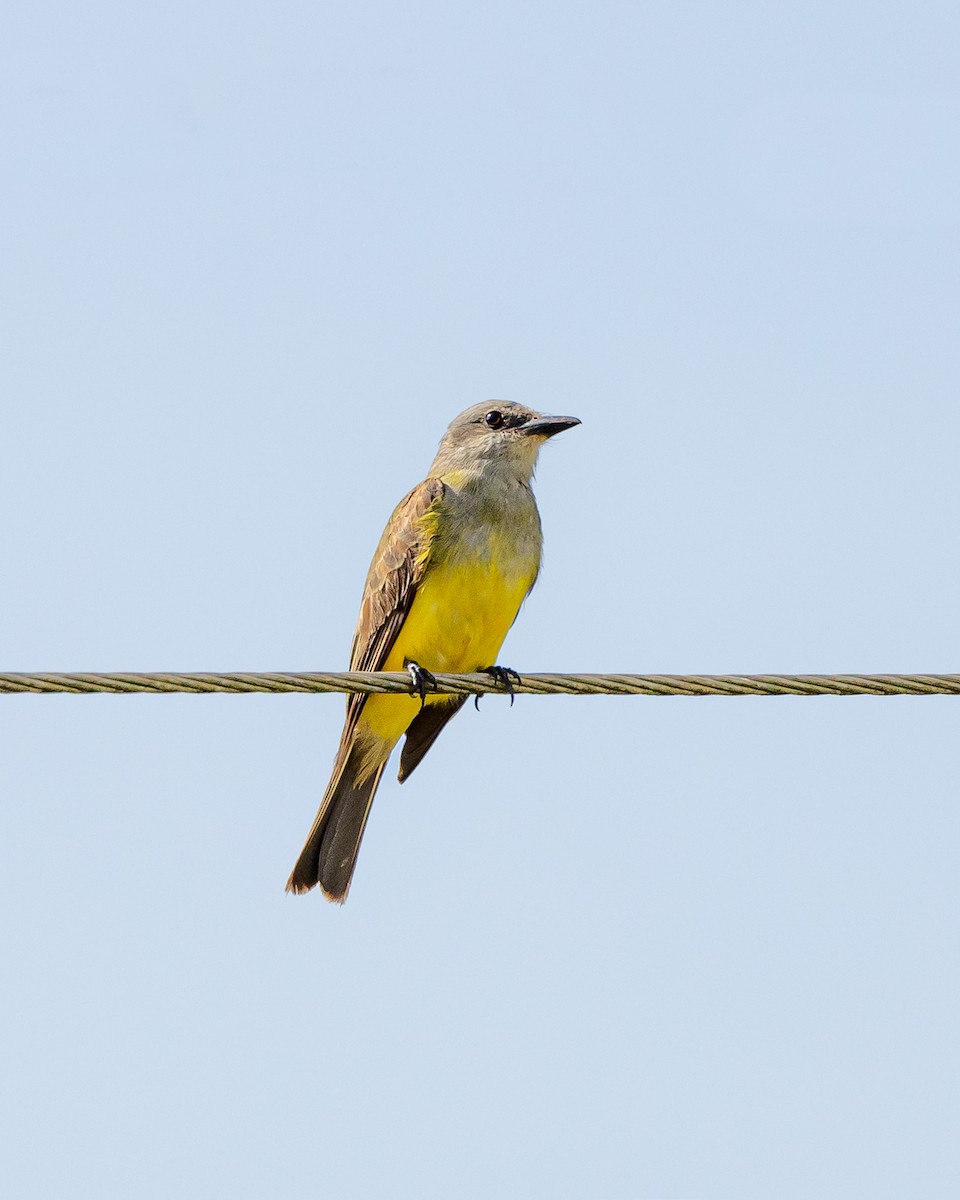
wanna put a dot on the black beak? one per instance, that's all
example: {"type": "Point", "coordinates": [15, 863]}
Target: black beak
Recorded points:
{"type": "Point", "coordinates": [547, 426]}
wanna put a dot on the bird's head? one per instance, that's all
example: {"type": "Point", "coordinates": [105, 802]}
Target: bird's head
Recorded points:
{"type": "Point", "coordinates": [496, 437]}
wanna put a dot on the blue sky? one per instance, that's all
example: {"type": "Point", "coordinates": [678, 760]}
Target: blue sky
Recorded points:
{"type": "Point", "coordinates": [254, 261]}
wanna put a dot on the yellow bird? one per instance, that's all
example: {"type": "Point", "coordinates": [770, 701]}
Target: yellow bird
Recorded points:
{"type": "Point", "coordinates": [456, 561]}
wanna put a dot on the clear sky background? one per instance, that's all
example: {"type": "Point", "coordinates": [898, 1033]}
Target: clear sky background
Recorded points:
{"type": "Point", "coordinates": [254, 259]}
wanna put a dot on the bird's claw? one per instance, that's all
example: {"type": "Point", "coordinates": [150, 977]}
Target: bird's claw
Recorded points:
{"type": "Point", "coordinates": [420, 680]}
{"type": "Point", "coordinates": [505, 677]}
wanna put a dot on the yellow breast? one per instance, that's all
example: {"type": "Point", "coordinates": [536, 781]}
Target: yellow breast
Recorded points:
{"type": "Point", "coordinates": [476, 575]}
{"type": "Point", "coordinates": [459, 618]}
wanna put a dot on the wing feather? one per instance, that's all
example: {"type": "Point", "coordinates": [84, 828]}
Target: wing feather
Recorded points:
{"type": "Point", "coordinates": [397, 567]}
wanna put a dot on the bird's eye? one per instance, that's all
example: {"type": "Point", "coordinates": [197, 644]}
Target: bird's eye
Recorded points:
{"type": "Point", "coordinates": [494, 419]}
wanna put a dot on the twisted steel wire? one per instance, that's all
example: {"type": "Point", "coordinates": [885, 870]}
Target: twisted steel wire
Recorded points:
{"type": "Point", "coordinates": [481, 684]}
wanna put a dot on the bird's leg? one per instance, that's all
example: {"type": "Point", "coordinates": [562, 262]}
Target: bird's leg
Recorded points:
{"type": "Point", "coordinates": [421, 679]}
{"type": "Point", "coordinates": [505, 677]}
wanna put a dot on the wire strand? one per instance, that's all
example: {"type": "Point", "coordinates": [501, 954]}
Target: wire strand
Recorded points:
{"type": "Point", "coordinates": [482, 684]}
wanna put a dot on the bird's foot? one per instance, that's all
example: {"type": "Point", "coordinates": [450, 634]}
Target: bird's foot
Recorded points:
{"type": "Point", "coordinates": [421, 679]}
{"type": "Point", "coordinates": [506, 677]}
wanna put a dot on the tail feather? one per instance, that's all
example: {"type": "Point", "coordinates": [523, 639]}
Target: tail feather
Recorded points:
{"type": "Point", "coordinates": [330, 852]}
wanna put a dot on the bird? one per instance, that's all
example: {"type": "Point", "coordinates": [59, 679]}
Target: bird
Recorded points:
{"type": "Point", "coordinates": [456, 561]}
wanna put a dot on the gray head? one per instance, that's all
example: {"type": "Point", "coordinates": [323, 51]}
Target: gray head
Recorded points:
{"type": "Point", "coordinates": [496, 437]}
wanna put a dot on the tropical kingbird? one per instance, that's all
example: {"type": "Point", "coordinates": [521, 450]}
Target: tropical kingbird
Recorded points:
{"type": "Point", "coordinates": [456, 561]}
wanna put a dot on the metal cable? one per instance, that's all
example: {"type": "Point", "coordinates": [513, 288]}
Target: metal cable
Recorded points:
{"type": "Point", "coordinates": [459, 685]}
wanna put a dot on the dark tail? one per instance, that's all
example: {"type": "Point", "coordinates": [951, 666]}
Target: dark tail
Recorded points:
{"type": "Point", "coordinates": [330, 853]}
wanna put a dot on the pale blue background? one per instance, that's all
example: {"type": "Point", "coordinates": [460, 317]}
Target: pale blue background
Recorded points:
{"type": "Point", "coordinates": [254, 258]}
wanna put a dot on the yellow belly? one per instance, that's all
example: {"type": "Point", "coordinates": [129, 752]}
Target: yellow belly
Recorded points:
{"type": "Point", "coordinates": [458, 620]}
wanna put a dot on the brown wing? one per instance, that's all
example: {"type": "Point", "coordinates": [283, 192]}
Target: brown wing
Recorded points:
{"type": "Point", "coordinates": [424, 730]}
{"type": "Point", "coordinates": [330, 851]}
{"type": "Point", "coordinates": [392, 580]}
